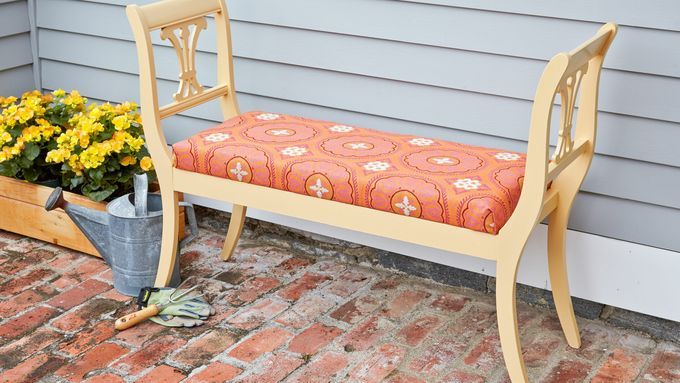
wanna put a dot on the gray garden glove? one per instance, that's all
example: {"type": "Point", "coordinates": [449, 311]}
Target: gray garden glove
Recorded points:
{"type": "Point", "coordinates": [189, 311]}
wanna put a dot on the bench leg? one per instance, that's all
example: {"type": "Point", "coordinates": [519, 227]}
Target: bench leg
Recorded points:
{"type": "Point", "coordinates": [169, 240]}
{"type": "Point", "coordinates": [557, 264]}
{"type": "Point", "coordinates": [506, 274]}
{"type": "Point", "coordinates": [238, 218]}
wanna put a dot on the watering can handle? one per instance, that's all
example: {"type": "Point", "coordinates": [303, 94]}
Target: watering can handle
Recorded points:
{"type": "Point", "coordinates": [193, 225]}
{"type": "Point", "coordinates": [141, 185]}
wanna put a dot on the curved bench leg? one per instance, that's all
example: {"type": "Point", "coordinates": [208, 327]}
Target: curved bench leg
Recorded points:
{"type": "Point", "coordinates": [166, 263]}
{"type": "Point", "coordinates": [238, 218]}
{"type": "Point", "coordinates": [506, 274]}
{"type": "Point", "coordinates": [557, 264]}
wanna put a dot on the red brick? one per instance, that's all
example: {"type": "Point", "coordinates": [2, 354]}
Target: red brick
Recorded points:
{"type": "Point", "coordinates": [252, 317]}
{"type": "Point", "coordinates": [26, 322]}
{"type": "Point", "coordinates": [403, 303]}
{"type": "Point", "coordinates": [206, 347]}
{"type": "Point", "coordinates": [438, 356]}
{"type": "Point", "coordinates": [348, 283]}
{"type": "Point", "coordinates": [85, 340]}
{"type": "Point", "coordinates": [96, 358]}
{"type": "Point", "coordinates": [386, 284]}
{"type": "Point", "coordinates": [385, 360]}
{"type": "Point", "coordinates": [215, 373]}
{"type": "Point", "coordinates": [78, 294]}
{"type": "Point", "coordinates": [290, 266]}
{"type": "Point", "coordinates": [65, 282]}
{"type": "Point", "coordinates": [305, 311]}
{"type": "Point", "coordinates": [150, 354]}
{"type": "Point", "coordinates": [88, 268]}
{"type": "Point", "coordinates": [66, 260]}
{"type": "Point", "coordinates": [621, 366]}
{"type": "Point", "coordinates": [356, 309]}
{"type": "Point", "coordinates": [276, 368]}
{"type": "Point", "coordinates": [313, 339]}
{"type": "Point", "coordinates": [330, 267]}
{"type": "Point", "coordinates": [301, 286]}
{"type": "Point", "coordinates": [251, 290]}
{"type": "Point", "coordinates": [367, 334]}
{"type": "Point", "coordinates": [19, 303]}
{"type": "Point", "coordinates": [475, 321]}
{"type": "Point", "coordinates": [106, 276]}
{"type": "Point", "coordinates": [486, 355]}
{"type": "Point", "coordinates": [323, 369]}
{"type": "Point", "coordinates": [18, 350]}
{"type": "Point", "coordinates": [13, 265]}
{"type": "Point", "coordinates": [401, 377]}
{"type": "Point", "coordinates": [105, 378]}
{"type": "Point", "coordinates": [568, 371]}
{"type": "Point", "coordinates": [163, 374]}
{"type": "Point", "coordinates": [32, 369]}
{"type": "Point", "coordinates": [21, 283]}
{"type": "Point", "coordinates": [416, 331]}
{"type": "Point", "coordinates": [264, 341]}
{"type": "Point", "coordinates": [76, 319]}
{"type": "Point", "coordinates": [116, 296]}
{"type": "Point", "coordinates": [136, 336]}
{"type": "Point", "coordinates": [462, 377]}
{"type": "Point", "coordinates": [664, 365]}
{"type": "Point", "coordinates": [450, 303]}
{"type": "Point", "coordinates": [537, 352]}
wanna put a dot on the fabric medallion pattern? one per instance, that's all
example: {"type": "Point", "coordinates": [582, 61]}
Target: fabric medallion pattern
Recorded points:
{"type": "Point", "coordinates": [422, 178]}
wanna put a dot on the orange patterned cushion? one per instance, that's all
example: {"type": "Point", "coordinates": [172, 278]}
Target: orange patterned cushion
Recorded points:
{"type": "Point", "coordinates": [467, 186]}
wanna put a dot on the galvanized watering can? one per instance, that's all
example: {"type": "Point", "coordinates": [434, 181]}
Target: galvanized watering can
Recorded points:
{"type": "Point", "coordinates": [128, 235]}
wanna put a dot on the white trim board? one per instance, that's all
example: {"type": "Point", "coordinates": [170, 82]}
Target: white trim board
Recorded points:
{"type": "Point", "coordinates": [618, 273]}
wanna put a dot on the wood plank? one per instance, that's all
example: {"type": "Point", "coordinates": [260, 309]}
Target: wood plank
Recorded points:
{"type": "Point", "coordinates": [448, 27]}
{"type": "Point", "coordinates": [53, 227]}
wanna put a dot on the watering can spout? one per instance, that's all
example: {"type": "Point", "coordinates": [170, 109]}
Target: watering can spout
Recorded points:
{"type": "Point", "coordinates": [93, 223]}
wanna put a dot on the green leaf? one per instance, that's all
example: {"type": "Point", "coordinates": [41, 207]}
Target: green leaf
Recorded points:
{"type": "Point", "coordinates": [99, 195]}
{"type": "Point", "coordinates": [77, 180]}
{"type": "Point", "coordinates": [31, 151]}
{"type": "Point", "coordinates": [31, 174]}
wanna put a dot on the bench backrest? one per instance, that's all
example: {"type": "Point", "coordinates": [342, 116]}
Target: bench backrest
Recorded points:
{"type": "Point", "coordinates": [180, 22]}
{"type": "Point", "coordinates": [575, 77]}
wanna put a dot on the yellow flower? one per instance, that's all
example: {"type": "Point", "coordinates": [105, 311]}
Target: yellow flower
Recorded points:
{"type": "Point", "coordinates": [25, 114]}
{"type": "Point", "coordinates": [74, 99]}
{"type": "Point", "coordinates": [121, 122]}
{"type": "Point", "coordinates": [59, 93]}
{"type": "Point", "coordinates": [146, 164]}
{"type": "Point", "coordinates": [128, 160]}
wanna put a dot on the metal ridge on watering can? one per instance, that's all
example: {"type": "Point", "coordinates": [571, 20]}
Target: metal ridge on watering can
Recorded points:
{"type": "Point", "coordinates": [128, 235]}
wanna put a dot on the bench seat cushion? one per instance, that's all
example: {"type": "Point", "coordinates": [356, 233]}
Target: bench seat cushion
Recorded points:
{"type": "Point", "coordinates": [466, 186]}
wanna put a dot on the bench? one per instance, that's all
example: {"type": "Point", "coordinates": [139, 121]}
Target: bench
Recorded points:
{"type": "Point", "coordinates": [477, 201]}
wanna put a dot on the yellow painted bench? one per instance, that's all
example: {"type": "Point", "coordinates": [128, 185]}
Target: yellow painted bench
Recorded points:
{"type": "Point", "coordinates": [481, 202]}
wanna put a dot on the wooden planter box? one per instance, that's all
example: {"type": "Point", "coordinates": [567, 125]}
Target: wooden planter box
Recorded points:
{"type": "Point", "coordinates": [22, 211]}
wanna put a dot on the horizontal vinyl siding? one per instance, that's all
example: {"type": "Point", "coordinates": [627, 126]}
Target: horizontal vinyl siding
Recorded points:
{"type": "Point", "coordinates": [448, 70]}
{"type": "Point", "coordinates": [16, 72]}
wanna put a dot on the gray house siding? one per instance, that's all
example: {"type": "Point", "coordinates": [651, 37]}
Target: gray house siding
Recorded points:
{"type": "Point", "coordinates": [16, 69]}
{"type": "Point", "coordinates": [456, 69]}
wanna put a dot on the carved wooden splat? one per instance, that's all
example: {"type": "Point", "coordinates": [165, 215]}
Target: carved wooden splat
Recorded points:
{"type": "Point", "coordinates": [568, 91]}
{"type": "Point", "coordinates": [184, 43]}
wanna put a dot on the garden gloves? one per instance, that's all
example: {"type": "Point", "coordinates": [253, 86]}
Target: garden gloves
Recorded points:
{"type": "Point", "coordinates": [190, 311]}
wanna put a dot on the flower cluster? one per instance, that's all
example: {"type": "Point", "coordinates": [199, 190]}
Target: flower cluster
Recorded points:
{"type": "Point", "coordinates": [94, 149]}
{"type": "Point", "coordinates": [27, 129]}
{"type": "Point", "coordinates": [102, 150]}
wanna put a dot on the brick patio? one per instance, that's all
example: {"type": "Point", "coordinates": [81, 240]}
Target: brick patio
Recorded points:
{"type": "Point", "coordinates": [287, 317]}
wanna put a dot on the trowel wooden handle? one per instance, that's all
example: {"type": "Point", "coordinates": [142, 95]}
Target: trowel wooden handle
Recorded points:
{"type": "Point", "coordinates": [136, 317]}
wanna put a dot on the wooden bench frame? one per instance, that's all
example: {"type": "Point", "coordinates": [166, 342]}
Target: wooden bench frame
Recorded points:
{"type": "Point", "coordinates": [550, 184]}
